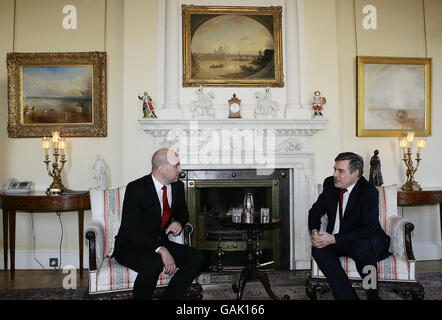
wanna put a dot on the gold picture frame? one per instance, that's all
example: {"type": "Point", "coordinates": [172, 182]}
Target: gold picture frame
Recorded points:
{"type": "Point", "coordinates": [232, 46]}
{"type": "Point", "coordinates": [63, 92]}
{"type": "Point", "coordinates": [394, 96]}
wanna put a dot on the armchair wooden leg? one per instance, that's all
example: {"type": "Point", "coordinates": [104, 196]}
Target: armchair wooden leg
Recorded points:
{"type": "Point", "coordinates": [314, 285]}
{"type": "Point", "coordinates": [413, 291]}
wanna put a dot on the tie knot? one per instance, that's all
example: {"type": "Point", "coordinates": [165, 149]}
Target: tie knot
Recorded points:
{"type": "Point", "coordinates": [164, 188]}
{"type": "Point", "coordinates": [343, 191]}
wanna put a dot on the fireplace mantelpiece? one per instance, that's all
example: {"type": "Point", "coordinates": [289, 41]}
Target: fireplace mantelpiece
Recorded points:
{"type": "Point", "coordinates": [203, 144]}
{"type": "Point", "coordinates": [299, 127]}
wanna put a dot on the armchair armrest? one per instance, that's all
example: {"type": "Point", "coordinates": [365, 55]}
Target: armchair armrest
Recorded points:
{"type": "Point", "coordinates": [188, 229]}
{"type": "Point", "coordinates": [400, 232]}
{"type": "Point", "coordinates": [95, 235]}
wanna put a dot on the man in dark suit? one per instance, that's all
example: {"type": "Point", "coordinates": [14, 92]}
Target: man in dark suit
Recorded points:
{"type": "Point", "coordinates": [153, 207]}
{"type": "Point", "coordinates": [352, 206]}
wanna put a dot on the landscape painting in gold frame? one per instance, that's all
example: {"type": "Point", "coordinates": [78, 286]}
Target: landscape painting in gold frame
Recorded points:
{"type": "Point", "coordinates": [63, 92]}
{"type": "Point", "coordinates": [394, 96]}
{"type": "Point", "coordinates": [232, 46]}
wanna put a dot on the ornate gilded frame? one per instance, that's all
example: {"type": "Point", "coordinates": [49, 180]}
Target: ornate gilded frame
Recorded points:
{"type": "Point", "coordinates": [190, 80]}
{"type": "Point", "coordinates": [383, 81]}
{"type": "Point", "coordinates": [97, 127]}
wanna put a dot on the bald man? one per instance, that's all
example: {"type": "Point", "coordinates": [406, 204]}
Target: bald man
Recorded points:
{"type": "Point", "coordinates": [154, 206]}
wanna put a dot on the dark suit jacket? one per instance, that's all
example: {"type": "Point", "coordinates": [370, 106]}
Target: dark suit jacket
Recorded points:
{"type": "Point", "coordinates": [361, 216]}
{"type": "Point", "coordinates": [141, 215]}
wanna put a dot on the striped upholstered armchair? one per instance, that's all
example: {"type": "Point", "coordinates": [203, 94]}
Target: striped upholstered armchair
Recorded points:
{"type": "Point", "coordinates": [107, 278]}
{"type": "Point", "coordinates": [398, 270]}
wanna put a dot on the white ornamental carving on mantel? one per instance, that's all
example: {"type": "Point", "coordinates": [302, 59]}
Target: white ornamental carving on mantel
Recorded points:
{"type": "Point", "coordinates": [202, 108]}
{"type": "Point", "coordinates": [289, 145]}
{"type": "Point", "coordinates": [266, 108]}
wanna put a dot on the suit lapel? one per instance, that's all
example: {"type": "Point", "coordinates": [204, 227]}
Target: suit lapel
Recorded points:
{"type": "Point", "coordinates": [333, 209]}
{"type": "Point", "coordinates": [354, 196]}
{"type": "Point", "coordinates": [174, 196]}
{"type": "Point", "coordinates": [153, 193]}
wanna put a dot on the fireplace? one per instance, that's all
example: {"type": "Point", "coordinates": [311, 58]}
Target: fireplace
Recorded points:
{"type": "Point", "coordinates": [218, 150]}
{"type": "Point", "coordinates": [211, 196]}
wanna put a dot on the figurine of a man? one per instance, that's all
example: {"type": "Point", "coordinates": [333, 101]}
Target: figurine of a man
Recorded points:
{"type": "Point", "coordinates": [148, 109]}
{"type": "Point", "coordinates": [318, 103]}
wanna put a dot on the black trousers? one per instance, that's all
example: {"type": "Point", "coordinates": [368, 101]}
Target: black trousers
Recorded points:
{"type": "Point", "coordinates": [365, 252]}
{"type": "Point", "coordinates": [148, 264]}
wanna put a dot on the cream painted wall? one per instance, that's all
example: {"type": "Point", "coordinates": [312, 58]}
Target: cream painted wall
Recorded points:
{"type": "Point", "coordinates": [39, 29]}
{"type": "Point", "coordinates": [6, 32]}
{"type": "Point", "coordinates": [140, 74]}
{"type": "Point", "coordinates": [131, 36]}
{"type": "Point", "coordinates": [330, 36]}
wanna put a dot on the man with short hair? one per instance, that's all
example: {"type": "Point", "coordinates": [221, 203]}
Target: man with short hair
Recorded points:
{"type": "Point", "coordinates": [352, 206]}
{"type": "Point", "coordinates": [154, 206]}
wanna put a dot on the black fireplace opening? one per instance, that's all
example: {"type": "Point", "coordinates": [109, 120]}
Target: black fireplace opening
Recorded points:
{"type": "Point", "coordinates": [213, 194]}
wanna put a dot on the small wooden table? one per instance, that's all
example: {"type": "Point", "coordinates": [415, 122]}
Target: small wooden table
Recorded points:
{"type": "Point", "coordinates": [251, 271]}
{"type": "Point", "coordinates": [423, 197]}
{"type": "Point", "coordinates": [10, 203]}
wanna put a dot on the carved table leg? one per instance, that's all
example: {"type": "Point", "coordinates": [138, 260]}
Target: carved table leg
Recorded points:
{"type": "Point", "coordinates": [238, 289]}
{"type": "Point", "coordinates": [265, 281]}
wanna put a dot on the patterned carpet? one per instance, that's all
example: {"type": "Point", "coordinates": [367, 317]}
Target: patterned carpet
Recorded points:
{"type": "Point", "coordinates": [432, 283]}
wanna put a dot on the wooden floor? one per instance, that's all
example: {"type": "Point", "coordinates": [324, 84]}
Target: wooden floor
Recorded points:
{"type": "Point", "coordinates": [24, 279]}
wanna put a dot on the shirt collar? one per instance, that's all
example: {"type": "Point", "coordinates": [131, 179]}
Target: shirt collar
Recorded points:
{"type": "Point", "coordinates": [158, 185]}
{"type": "Point", "coordinates": [350, 188]}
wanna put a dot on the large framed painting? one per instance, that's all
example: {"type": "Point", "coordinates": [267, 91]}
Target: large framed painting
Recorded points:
{"type": "Point", "coordinates": [63, 92]}
{"type": "Point", "coordinates": [394, 96]}
{"type": "Point", "coordinates": [232, 46]}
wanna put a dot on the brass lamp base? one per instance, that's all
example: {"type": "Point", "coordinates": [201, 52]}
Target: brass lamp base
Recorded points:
{"type": "Point", "coordinates": [56, 187]}
{"type": "Point", "coordinates": [411, 186]}
{"type": "Point", "coordinates": [53, 191]}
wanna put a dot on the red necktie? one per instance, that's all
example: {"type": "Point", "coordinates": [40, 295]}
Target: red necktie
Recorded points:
{"type": "Point", "coordinates": [341, 195]}
{"type": "Point", "coordinates": [167, 212]}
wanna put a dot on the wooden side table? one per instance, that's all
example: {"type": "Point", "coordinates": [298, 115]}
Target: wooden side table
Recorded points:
{"type": "Point", "coordinates": [423, 197]}
{"type": "Point", "coordinates": [40, 202]}
{"type": "Point", "coordinates": [251, 271]}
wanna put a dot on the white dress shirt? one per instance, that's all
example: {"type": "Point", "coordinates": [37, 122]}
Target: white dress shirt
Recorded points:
{"type": "Point", "coordinates": [159, 190]}
{"type": "Point", "coordinates": [345, 197]}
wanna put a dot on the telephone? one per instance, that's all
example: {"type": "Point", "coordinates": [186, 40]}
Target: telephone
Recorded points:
{"type": "Point", "coordinates": [14, 186]}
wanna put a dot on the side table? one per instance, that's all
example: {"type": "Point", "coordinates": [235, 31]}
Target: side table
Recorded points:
{"type": "Point", "coordinates": [251, 271]}
{"type": "Point", "coordinates": [10, 203]}
{"type": "Point", "coordinates": [423, 197]}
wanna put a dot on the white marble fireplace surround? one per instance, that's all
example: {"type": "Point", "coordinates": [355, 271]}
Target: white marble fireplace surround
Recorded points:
{"type": "Point", "coordinates": [222, 143]}
{"type": "Point", "coordinates": [246, 144]}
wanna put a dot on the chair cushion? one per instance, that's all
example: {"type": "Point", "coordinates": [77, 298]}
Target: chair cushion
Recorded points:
{"type": "Point", "coordinates": [113, 276]}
